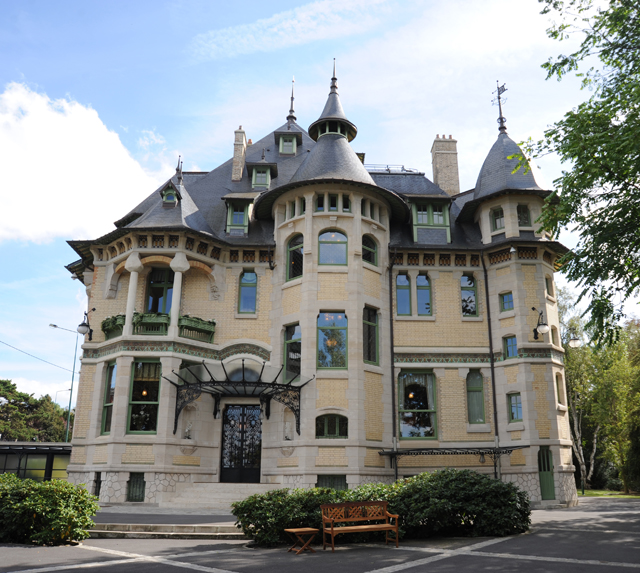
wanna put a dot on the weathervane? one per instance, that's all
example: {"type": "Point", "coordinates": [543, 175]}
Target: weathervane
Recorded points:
{"type": "Point", "coordinates": [501, 120]}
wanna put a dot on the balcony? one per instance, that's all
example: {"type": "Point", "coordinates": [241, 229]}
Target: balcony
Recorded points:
{"type": "Point", "coordinates": [151, 323]}
{"type": "Point", "coordinates": [112, 326]}
{"type": "Point", "coordinates": [197, 328]}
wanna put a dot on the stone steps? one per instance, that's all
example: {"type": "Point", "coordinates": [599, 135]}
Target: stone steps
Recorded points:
{"type": "Point", "coordinates": [164, 531]}
{"type": "Point", "coordinates": [217, 497]}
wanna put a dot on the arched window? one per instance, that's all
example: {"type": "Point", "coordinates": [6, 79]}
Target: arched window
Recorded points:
{"type": "Point", "coordinates": [332, 426]}
{"type": "Point", "coordinates": [369, 250]}
{"type": "Point", "coordinates": [560, 389]}
{"type": "Point", "coordinates": [332, 340]}
{"type": "Point", "coordinates": [248, 292]}
{"type": "Point", "coordinates": [469, 295]}
{"type": "Point", "coordinates": [159, 291]}
{"type": "Point", "coordinates": [332, 247]}
{"type": "Point", "coordinates": [424, 295]}
{"type": "Point", "coordinates": [294, 258]}
{"type": "Point", "coordinates": [475, 397]}
{"type": "Point", "coordinates": [403, 295]}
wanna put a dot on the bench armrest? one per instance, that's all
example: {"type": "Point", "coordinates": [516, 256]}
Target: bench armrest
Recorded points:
{"type": "Point", "coordinates": [327, 519]}
{"type": "Point", "coordinates": [392, 515]}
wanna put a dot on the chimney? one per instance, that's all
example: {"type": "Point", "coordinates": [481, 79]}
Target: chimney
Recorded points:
{"type": "Point", "coordinates": [239, 150]}
{"type": "Point", "coordinates": [444, 160]}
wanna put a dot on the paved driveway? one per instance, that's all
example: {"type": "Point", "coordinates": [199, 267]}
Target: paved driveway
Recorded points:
{"type": "Point", "coordinates": [599, 536]}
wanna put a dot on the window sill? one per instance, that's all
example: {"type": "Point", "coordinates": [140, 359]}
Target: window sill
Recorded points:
{"type": "Point", "coordinates": [375, 368]}
{"type": "Point", "coordinates": [292, 283]}
{"type": "Point", "coordinates": [506, 314]}
{"type": "Point", "coordinates": [338, 373]}
{"type": "Point", "coordinates": [478, 428]}
{"type": "Point", "coordinates": [371, 267]}
{"type": "Point", "coordinates": [333, 268]}
{"type": "Point", "coordinates": [419, 318]}
{"type": "Point", "coordinates": [472, 319]}
{"type": "Point", "coordinates": [551, 298]}
{"type": "Point", "coordinates": [515, 426]}
{"type": "Point", "coordinates": [246, 315]}
{"type": "Point", "coordinates": [562, 408]}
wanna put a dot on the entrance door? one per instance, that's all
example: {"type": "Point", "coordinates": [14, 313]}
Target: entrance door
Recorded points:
{"type": "Point", "coordinates": [241, 444]}
{"type": "Point", "coordinates": [545, 467]}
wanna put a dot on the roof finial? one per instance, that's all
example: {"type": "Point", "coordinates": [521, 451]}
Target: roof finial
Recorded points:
{"type": "Point", "coordinates": [502, 121]}
{"type": "Point", "coordinates": [263, 154]}
{"type": "Point", "coordinates": [179, 170]}
{"type": "Point", "coordinates": [334, 79]}
{"type": "Point", "coordinates": [291, 118]}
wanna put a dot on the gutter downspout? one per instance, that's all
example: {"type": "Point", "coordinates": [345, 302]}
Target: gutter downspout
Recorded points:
{"type": "Point", "coordinates": [394, 460]}
{"type": "Point", "coordinates": [497, 473]}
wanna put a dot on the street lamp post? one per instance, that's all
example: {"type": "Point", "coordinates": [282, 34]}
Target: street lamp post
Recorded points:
{"type": "Point", "coordinates": [73, 373]}
{"type": "Point", "coordinates": [58, 392]}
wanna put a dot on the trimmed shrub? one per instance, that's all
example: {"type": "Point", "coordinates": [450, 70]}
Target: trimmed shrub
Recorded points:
{"type": "Point", "coordinates": [447, 502]}
{"type": "Point", "coordinates": [47, 513]}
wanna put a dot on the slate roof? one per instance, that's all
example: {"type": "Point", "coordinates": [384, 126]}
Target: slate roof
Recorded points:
{"type": "Point", "coordinates": [408, 184]}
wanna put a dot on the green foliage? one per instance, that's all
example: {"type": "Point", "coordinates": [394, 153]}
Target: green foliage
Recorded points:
{"type": "Point", "coordinates": [28, 419]}
{"type": "Point", "coordinates": [598, 194]}
{"type": "Point", "coordinates": [447, 502]}
{"type": "Point", "coordinates": [45, 513]}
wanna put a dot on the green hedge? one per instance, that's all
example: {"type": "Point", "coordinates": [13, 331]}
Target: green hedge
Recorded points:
{"type": "Point", "coordinates": [447, 502]}
{"type": "Point", "coordinates": [50, 512]}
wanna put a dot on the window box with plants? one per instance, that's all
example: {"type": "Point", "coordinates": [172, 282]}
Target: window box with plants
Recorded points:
{"type": "Point", "coordinates": [112, 326]}
{"type": "Point", "coordinates": [150, 323]}
{"type": "Point", "coordinates": [197, 328]}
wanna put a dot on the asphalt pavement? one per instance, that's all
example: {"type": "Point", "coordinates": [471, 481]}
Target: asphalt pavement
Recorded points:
{"type": "Point", "coordinates": [598, 536]}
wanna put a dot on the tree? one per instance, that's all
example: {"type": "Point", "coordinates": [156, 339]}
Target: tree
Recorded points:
{"type": "Point", "coordinates": [598, 195]}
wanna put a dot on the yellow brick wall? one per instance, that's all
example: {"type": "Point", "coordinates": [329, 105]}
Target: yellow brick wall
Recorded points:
{"type": "Point", "coordinates": [507, 322]}
{"type": "Point", "coordinates": [195, 297]}
{"type": "Point", "coordinates": [100, 455]}
{"type": "Point", "coordinates": [517, 458]}
{"type": "Point", "coordinates": [84, 401]}
{"type": "Point", "coordinates": [511, 373]}
{"type": "Point", "coordinates": [332, 392]}
{"type": "Point", "coordinates": [531, 288]}
{"type": "Point", "coordinates": [516, 435]}
{"type": "Point", "coordinates": [106, 307]}
{"type": "Point", "coordinates": [372, 459]}
{"type": "Point", "coordinates": [373, 406]}
{"type": "Point", "coordinates": [186, 460]}
{"type": "Point", "coordinates": [332, 286]}
{"type": "Point", "coordinates": [78, 455]}
{"type": "Point", "coordinates": [288, 462]}
{"type": "Point", "coordinates": [138, 454]}
{"type": "Point", "coordinates": [372, 284]}
{"type": "Point", "coordinates": [563, 425]}
{"type": "Point", "coordinates": [440, 461]}
{"type": "Point", "coordinates": [331, 457]}
{"type": "Point", "coordinates": [502, 272]}
{"type": "Point", "coordinates": [448, 329]}
{"type": "Point", "coordinates": [540, 386]}
{"type": "Point", "coordinates": [291, 298]}
{"type": "Point", "coordinates": [567, 458]}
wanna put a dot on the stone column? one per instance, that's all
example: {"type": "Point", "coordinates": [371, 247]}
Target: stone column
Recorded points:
{"type": "Point", "coordinates": [134, 266]}
{"type": "Point", "coordinates": [179, 265]}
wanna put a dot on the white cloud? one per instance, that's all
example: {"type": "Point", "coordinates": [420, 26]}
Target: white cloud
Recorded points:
{"type": "Point", "coordinates": [320, 20]}
{"type": "Point", "coordinates": [150, 137]}
{"type": "Point", "coordinates": [66, 174]}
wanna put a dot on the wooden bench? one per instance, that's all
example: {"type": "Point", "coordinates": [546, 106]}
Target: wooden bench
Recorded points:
{"type": "Point", "coordinates": [354, 511]}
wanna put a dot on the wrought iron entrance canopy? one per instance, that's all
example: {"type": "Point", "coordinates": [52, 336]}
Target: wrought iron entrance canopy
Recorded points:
{"type": "Point", "coordinates": [236, 380]}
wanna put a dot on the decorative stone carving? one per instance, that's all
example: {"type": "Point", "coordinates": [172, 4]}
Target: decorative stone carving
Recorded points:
{"type": "Point", "coordinates": [188, 450]}
{"type": "Point", "coordinates": [286, 452]}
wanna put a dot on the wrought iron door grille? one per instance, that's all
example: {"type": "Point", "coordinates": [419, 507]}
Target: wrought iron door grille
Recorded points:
{"type": "Point", "coordinates": [135, 487]}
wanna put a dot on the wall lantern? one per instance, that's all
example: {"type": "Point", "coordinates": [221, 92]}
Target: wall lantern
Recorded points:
{"type": "Point", "coordinates": [542, 327]}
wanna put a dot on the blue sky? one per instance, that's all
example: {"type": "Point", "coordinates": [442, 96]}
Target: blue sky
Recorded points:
{"type": "Point", "coordinates": [97, 99]}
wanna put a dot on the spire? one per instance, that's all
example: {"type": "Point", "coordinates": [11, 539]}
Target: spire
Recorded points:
{"type": "Point", "coordinates": [291, 118]}
{"type": "Point", "coordinates": [502, 121]}
{"type": "Point", "coordinates": [179, 170]}
{"type": "Point", "coordinates": [334, 80]}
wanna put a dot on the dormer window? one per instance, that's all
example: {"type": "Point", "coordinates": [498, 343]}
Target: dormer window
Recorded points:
{"type": "Point", "coordinates": [430, 216]}
{"type": "Point", "coordinates": [288, 145]}
{"type": "Point", "coordinates": [237, 218]}
{"type": "Point", "coordinates": [261, 177]}
{"type": "Point", "coordinates": [170, 196]}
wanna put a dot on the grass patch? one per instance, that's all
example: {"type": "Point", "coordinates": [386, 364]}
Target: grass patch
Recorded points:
{"type": "Point", "coordinates": [608, 494]}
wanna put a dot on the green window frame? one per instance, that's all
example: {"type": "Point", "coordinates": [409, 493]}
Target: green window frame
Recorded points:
{"type": "Point", "coordinates": [548, 285]}
{"type": "Point", "coordinates": [303, 205]}
{"type": "Point", "coordinates": [109, 391]}
{"type": "Point", "coordinates": [430, 215]}
{"type": "Point", "coordinates": [169, 197]}
{"type": "Point", "coordinates": [423, 294]}
{"type": "Point", "coordinates": [333, 203]}
{"type": "Point", "coordinates": [295, 258]}
{"type": "Point", "coordinates": [319, 203]}
{"type": "Point", "coordinates": [248, 291]}
{"type": "Point", "coordinates": [346, 204]}
{"type": "Point", "coordinates": [506, 301]}
{"type": "Point", "coordinates": [332, 345]}
{"type": "Point", "coordinates": [559, 389]}
{"type": "Point", "coordinates": [370, 335]}
{"type": "Point", "coordinates": [237, 218]}
{"type": "Point", "coordinates": [417, 415]}
{"type": "Point", "coordinates": [510, 347]}
{"type": "Point", "coordinates": [292, 209]}
{"type": "Point", "coordinates": [332, 426]}
{"type": "Point", "coordinates": [497, 219]}
{"type": "Point", "coordinates": [469, 295]}
{"type": "Point", "coordinates": [288, 145]}
{"type": "Point", "coordinates": [403, 295]}
{"type": "Point", "coordinates": [332, 248]}
{"type": "Point", "coordinates": [524, 216]}
{"type": "Point", "coordinates": [144, 397]}
{"type": "Point", "coordinates": [159, 291]}
{"type": "Point", "coordinates": [369, 250]}
{"type": "Point", "coordinates": [514, 407]}
{"type": "Point", "coordinates": [261, 177]}
{"type": "Point", "coordinates": [364, 208]}
{"type": "Point", "coordinates": [292, 351]}
{"type": "Point", "coordinates": [475, 397]}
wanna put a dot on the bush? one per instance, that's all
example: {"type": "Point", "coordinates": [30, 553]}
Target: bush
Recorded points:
{"type": "Point", "coordinates": [447, 502]}
{"type": "Point", "coordinates": [47, 513]}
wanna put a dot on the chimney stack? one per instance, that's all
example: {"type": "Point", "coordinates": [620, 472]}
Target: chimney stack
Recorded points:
{"type": "Point", "coordinates": [444, 160]}
{"type": "Point", "coordinates": [239, 151]}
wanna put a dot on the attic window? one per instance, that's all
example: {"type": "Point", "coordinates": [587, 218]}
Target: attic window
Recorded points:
{"type": "Point", "coordinates": [261, 177]}
{"type": "Point", "coordinates": [430, 215]}
{"type": "Point", "coordinates": [169, 198]}
{"type": "Point", "coordinates": [287, 145]}
{"type": "Point", "coordinates": [237, 218]}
